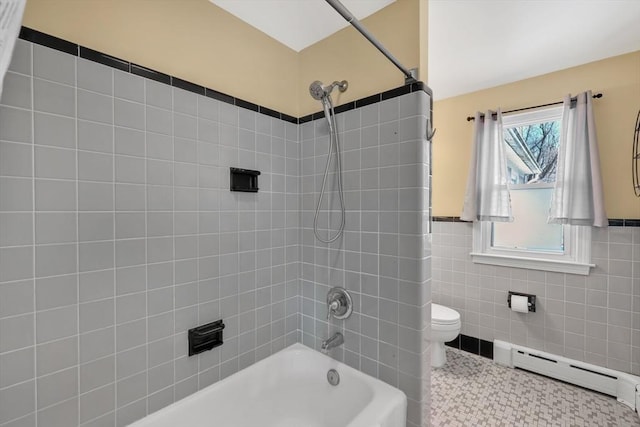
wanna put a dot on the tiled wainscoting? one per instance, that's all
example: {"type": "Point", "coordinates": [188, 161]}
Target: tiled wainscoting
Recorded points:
{"type": "Point", "coordinates": [118, 233]}
{"type": "Point", "coordinates": [594, 318]}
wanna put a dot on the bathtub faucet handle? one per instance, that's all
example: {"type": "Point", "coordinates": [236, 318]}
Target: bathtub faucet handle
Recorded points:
{"type": "Point", "coordinates": [339, 303]}
{"type": "Point", "coordinates": [333, 307]}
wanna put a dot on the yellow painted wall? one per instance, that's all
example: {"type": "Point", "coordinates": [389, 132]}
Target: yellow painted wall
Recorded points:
{"type": "Point", "coordinates": [618, 78]}
{"type": "Point", "coordinates": [190, 39]}
{"type": "Point", "coordinates": [201, 43]}
{"type": "Point", "coordinates": [347, 55]}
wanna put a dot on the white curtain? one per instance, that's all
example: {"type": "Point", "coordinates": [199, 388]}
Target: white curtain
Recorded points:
{"type": "Point", "coordinates": [577, 197]}
{"type": "Point", "coordinates": [487, 197]}
{"type": "Point", "coordinates": [10, 21]}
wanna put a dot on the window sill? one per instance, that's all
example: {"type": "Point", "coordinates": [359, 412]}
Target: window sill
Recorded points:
{"type": "Point", "coordinates": [532, 263]}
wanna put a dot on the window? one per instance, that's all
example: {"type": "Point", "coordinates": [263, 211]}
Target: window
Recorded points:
{"type": "Point", "coordinates": [532, 140]}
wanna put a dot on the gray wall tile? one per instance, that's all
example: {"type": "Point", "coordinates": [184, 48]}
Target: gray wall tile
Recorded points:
{"type": "Point", "coordinates": [54, 98]}
{"type": "Point", "coordinates": [16, 229]}
{"type": "Point", "coordinates": [55, 227]}
{"type": "Point", "coordinates": [15, 125]}
{"type": "Point", "coordinates": [55, 163]}
{"type": "Point", "coordinates": [16, 367]}
{"type": "Point", "coordinates": [17, 92]}
{"type": "Point", "coordinates": [15, 159]}
{"type": "Point", "coordinates": [17, 401]}
{"type": "Point", "coordinates": [54, 130]}
{"type": "Point", "coordinates": [16, 332]}
{"type": "Point", "coordinates": [54, 292]}
{"type": "Point", "coordinates": [55, 195]}
{"type": "Point", "coordinates": [94, 107]}
{"type": "Point", "coordinates": [21, 60]}
{"type": "Point", "coordinates": [57, 323]}
{"type": "Point", "coordinates": [95, 77]}
{"type": "Point", "coordinates": [95, 136]}
{"type": "Point", "coordinates": [128, 86]}
{"type": "Point", "coordinates": [57, 387]}
{"type": "Point", "coordinates": [16, 298]}
{"type": "Point", "coordinates": [54, 65]}
{"type": "Point", "coordinates": [57, 355]}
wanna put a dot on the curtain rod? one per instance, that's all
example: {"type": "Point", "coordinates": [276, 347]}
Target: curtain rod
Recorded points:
{"type": "Point", "coordinates": [597, 95]}
{"type": "Point", "coordinates": [351, 19]}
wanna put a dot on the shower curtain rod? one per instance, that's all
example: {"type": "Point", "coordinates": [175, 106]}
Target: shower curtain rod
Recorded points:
{"type": "Point", "coordinates": [597, 95]}
{"type": "Point", "coordinates": [410, 76]}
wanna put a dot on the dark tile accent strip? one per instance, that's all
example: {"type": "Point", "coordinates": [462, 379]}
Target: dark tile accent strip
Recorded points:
{"type": "Point", "coordinates": [101, 58]}
{"type": "Point", "coordinates": [421, 86]}
{"type": "Point", "coordinates": [443, 219]}
{"type": "Point", "coordinates": [613, 222]}
{"type": "Point", "coordinates": [344, 107]}
{"type": "Point", "coordinates": [305, 119]}
{"type": "Point", "coordinates": [188, 86]}
{"type": "Point", "coordinates": [394, 93]}
{"type": "Point", "coordinates": [486, 349]}
{"type": "Point", "coordinates": [269, 112]}
{"type": "Point", "coordinates": [470, 344]}
{"type": "Point", "coordinates": [246, 104]}
{"type": "Point", "coordinates": [220, 96]}
{"type": "Point", "coordinates": [368, 100]}
{"type": "Point", "coordinates": [150, 74]}
{"type": "Point", "coordinates": [52, 42]}
{"type": "Point", "coordinates": [454, 343]}
{"type": "Point", "coordinates": [288, 118]}
{"type": "Point", "coordinates": [56, 43]}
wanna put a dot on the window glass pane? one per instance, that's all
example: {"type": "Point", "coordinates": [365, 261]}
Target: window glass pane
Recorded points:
{"type": "Point", "coordinates": [529, 230]}
{"type": "Point", "coordinates": [532, 152]}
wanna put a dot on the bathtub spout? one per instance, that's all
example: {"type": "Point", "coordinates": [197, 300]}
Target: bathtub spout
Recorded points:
{"type": "Point", "coordinates": [335, 340]}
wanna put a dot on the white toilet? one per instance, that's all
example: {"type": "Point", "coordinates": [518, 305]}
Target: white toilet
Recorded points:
{"type": "Point", "coordinates": [445, 326]}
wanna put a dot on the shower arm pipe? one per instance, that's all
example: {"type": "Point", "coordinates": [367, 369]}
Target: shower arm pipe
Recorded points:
{"type": "Point", "coordinates": [351, 19]}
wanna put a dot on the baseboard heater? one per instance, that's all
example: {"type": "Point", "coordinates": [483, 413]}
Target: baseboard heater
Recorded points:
{"type": "Point", "coordinates": [624, 387]}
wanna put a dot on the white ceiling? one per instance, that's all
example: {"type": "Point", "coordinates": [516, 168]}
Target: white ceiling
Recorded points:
{"type": "Point", "coordinates": [298, 23]}
{"type": "Point", "coordinates": [473, 44]}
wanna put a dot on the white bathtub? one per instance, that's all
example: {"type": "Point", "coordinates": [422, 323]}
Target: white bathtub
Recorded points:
{"type": "Point", "coordinates": [288, 389]}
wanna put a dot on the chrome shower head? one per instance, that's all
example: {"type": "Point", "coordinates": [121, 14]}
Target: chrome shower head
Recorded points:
{"type": "Point", "coordinates": [317, 91]}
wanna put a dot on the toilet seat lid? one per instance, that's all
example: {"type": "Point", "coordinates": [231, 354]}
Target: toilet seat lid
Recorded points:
{"type": "Point", "coordinates": [443, 315]}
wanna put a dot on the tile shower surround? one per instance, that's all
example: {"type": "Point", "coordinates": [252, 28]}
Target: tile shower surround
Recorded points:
{"type": "Point", "coordinates": [383, 257]}
{"type": "Point", "coordinates": [118, 233]}
{"type": "Point", "coordinates": [594, 318]}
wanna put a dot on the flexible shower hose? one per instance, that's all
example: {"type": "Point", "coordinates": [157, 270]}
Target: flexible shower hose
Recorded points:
{"type": "Point", "coordinates": [334, 143]}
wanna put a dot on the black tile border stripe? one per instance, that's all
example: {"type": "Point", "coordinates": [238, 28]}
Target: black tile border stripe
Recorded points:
{"type": "Point", "coordinates": [188, 86]}
{"type": "Point", "coordinates": [49, 41]}
{"type": "Point", "coordinates": [74, 49]}
{"type": "Point", "coordinates": [613, 222]}
{"type": "Point", "coordinates": [150, 74]}
{"type": "Point", "coordinates": [101, 58]}
{"type": "Point", "coordinates": [472, 345]}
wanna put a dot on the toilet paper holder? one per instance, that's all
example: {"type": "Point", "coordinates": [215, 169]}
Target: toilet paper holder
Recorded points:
{"type": "Point", "coordinates": [531, 300]}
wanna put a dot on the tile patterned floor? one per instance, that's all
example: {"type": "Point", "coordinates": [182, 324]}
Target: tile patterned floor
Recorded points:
{"type": "Point", "coordinates": [473, 391]}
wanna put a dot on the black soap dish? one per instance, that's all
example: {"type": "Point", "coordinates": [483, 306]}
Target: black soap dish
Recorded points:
{"type": "Point", "coordinates": [205, 337]}
{"type": "Point", "coordinates": [244, 180]}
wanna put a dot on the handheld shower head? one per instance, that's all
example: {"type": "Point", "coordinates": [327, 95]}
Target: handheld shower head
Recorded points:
{"type": "Point", "coordinates": [319, 91]}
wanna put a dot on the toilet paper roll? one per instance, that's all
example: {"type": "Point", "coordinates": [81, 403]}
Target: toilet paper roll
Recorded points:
{"type": "Point", "coordinates": [519, 304]}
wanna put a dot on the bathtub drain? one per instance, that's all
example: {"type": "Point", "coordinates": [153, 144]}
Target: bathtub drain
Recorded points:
{"type": "Point", "coordinates": [333, 377]}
